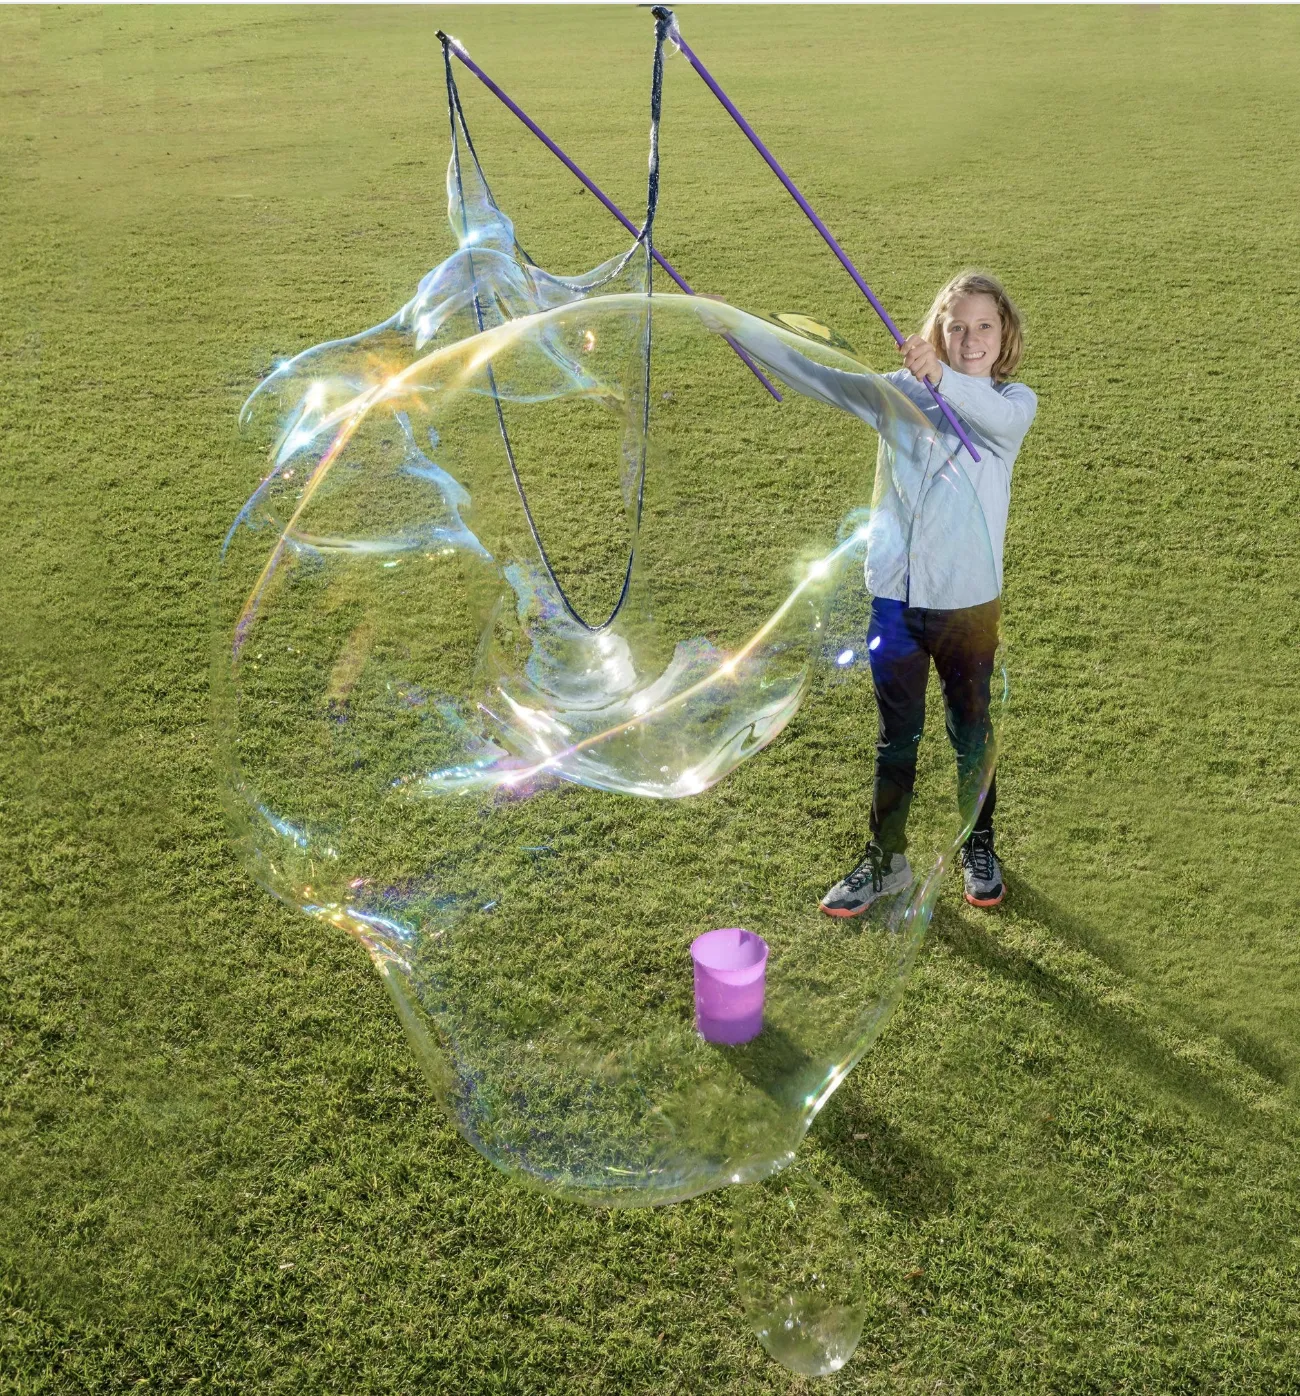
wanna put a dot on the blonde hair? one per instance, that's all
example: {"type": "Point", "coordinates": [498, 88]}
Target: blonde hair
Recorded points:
{"type": "Point", "coordinates": [974, 283]}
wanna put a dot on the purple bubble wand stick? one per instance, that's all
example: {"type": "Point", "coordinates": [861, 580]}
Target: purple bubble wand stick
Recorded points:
{"type": "Point", "coordinates": [675, 37]}
{"type": "Point", "coordinates": [459, 50]}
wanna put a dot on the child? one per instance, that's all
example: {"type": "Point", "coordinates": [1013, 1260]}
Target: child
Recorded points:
{"type": "Point", "coordinates": [935, 590]}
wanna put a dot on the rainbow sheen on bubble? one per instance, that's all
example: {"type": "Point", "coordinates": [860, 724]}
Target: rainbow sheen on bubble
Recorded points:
{"type": "Point", "coordinates": [524, 757]}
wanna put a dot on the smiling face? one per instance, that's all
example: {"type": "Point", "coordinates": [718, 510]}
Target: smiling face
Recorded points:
{"type": "Point", "coordinates": [972, 334]}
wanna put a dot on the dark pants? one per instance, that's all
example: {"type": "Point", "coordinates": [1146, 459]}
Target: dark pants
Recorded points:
{"type": "Point", "coordinates": [901, 641]}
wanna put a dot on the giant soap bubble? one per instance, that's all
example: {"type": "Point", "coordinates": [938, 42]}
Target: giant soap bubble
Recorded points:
{"type": "Point", "coordinates": [525, 761]}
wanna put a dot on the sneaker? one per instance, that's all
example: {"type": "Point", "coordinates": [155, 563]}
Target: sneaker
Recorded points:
{"type": "Point", "coordinates": [980, 870]}
{"type": "Point", "coordinates": [879, 874]}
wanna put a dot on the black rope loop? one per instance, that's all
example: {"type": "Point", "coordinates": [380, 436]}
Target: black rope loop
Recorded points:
{"type": "Point", "coordinates": [644, 240]}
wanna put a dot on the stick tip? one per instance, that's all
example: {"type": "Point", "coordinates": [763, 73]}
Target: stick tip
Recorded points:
{"type": "Point", "coordinates": [666, 17]}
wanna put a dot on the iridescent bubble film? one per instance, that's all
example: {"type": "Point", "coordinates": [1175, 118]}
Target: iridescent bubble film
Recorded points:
{"type": "Point", "coordinates": [801, 1279]}
{"type": "Point", "coordinates": [525, 763]}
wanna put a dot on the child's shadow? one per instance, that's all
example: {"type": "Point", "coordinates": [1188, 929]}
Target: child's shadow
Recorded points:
{"type": "Point", "coordinates": [1074, 930]}
{"type": "Point", "coordinates": [1124, 1038]}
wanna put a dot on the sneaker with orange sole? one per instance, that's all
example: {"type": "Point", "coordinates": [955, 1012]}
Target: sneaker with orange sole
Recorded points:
{"type": "Point", "coordinates": [879, 874]}
{"type": "Point", "coordinates": [981, 872]}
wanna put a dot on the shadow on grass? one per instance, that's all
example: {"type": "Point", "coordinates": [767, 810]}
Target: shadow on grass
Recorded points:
{"type": "Point", "coordinates": [1256, 1055]}
{"type": "Point", "coordinates": [906, 1177]}
{"type": "Point", "coordinates": [777, 1065]}
{"type": "Point", "coordinates": [1126, 1041]}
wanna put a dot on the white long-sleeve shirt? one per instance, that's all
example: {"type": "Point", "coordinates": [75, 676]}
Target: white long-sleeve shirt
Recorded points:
{"type": "Point", "coordinates": [939, 519]}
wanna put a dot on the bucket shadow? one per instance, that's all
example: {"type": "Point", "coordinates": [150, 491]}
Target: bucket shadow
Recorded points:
{"type": "Point", "coordinates": [905, 1177]}
{"type": "Point", "coordinates": [775, 1064]}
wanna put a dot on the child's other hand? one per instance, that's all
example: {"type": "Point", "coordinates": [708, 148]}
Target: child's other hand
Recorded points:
{"type": "Point", "coordinates": [921, 359]}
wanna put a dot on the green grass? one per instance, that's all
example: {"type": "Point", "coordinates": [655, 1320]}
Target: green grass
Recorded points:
{"type": "Point", "coordinates": [1071, 1160]}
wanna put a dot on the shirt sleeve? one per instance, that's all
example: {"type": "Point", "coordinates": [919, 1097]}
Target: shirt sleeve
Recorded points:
{"type": "Point", "coordinates": [1002, 417]}
{"type": "Point", "coordinates": [859, 393]}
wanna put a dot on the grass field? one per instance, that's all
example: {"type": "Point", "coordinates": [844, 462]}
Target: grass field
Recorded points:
{"type": "Point", "coordinates": [1071, 1160]}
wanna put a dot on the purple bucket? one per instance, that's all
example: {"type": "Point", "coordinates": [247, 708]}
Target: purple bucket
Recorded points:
{"type": "Point", "coordinates": [730, 978]}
